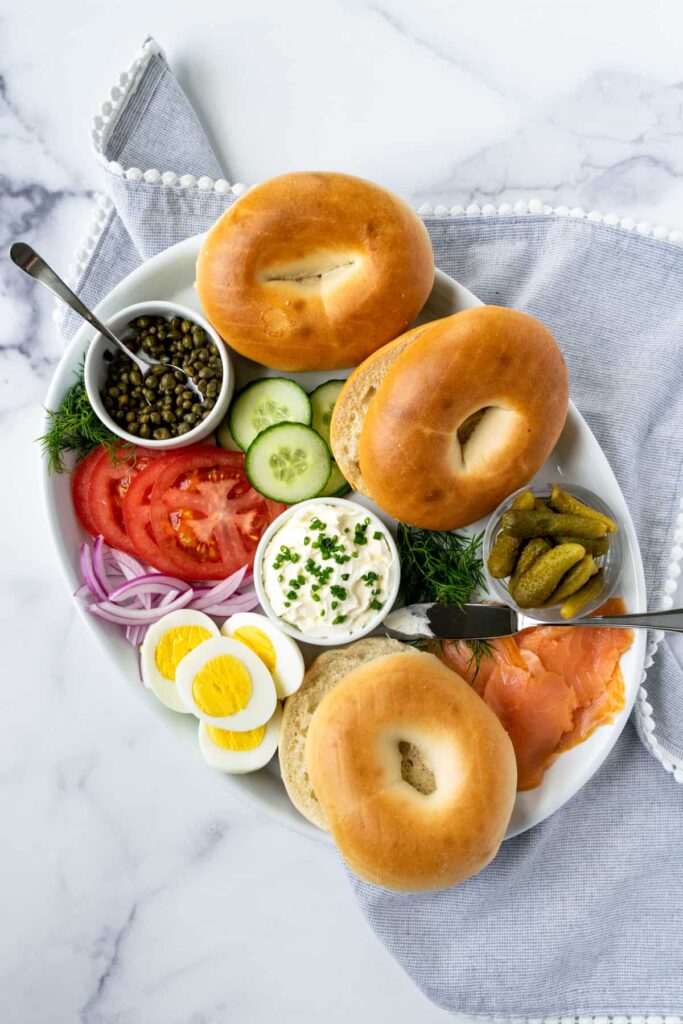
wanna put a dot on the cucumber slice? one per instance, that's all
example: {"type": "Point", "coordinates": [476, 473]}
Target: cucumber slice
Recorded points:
{"type": "Point", "coordinates": [265, 402]}
{"type": "Point", "coordinates": [288, 462]}
{"type": "Point", "coordinates": [337, 485]}
{"type": "Point", "coordinates": [322, 403]}
{"type": "Point", "coordinates": [224, 438]}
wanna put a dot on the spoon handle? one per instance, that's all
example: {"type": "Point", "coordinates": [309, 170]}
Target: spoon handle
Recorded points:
{"type": "Point", "coordinates": [28, 260]}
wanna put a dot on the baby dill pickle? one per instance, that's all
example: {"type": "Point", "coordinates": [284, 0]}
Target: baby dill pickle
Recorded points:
{"type": "Point", "coordinates": [532, 550]}
{"type": "Point", "coordinates": [538, 583]}
{"type": "Point", "coordinates": [574, 580]}
{"type": "Point", "coordinates": [541, 504]}
{"type": "Point", "coordinates": [563, 502]}
{"type": "Point", "coordinates": [593, 545]}
{"type": "Point", "coordinates": [551, 524]}
{"type": "Point", "coordinates": [503, 554]}
{"type": "Point", "coordinates": [573, 605]}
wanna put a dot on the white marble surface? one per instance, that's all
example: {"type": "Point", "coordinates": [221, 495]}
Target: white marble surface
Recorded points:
{"type": "Point", "coordinates": [133, 891]}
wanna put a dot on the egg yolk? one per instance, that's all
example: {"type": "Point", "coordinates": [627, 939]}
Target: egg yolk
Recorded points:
{"type": "Point", "coordinates": [174, 645]}
{"type": "Point", "coordinates": [222, 686]}
{"type": "Point", "coordinates": [258, 642]}
{"type": "Point", "coordinates": [229, 740]}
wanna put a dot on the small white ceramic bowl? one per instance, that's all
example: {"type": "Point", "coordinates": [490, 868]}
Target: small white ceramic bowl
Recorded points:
{"type": "Point", "coordinates": [95, 373]}
{"type": "Point", "coordinates": [339, 638]}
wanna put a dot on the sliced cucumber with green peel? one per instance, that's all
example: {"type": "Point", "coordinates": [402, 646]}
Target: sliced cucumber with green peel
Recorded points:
{"type": "Point", "coordinates": [288, 462]}
{"type": "Point", "coordinates": [224, 438]}
{"type": "Point", "coordinates": [322, 402]}
{"type": "Point", "coordinates": [337, 485]}
{"type": "Point", "coordinates": [263, 403]}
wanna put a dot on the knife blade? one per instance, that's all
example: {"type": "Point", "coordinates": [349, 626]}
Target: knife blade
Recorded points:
{"type": "Point", "coordinates": [450, 622]}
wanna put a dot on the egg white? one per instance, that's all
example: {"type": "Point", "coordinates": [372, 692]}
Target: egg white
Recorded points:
{"type": "Point", "coordinates": [238, 762]}
{"type": "Point", "coordinates": [289, 668]}
{"type": "Point", "coordinates": [263, 696]}
{"type": "Point", "coordinates": [165, 689]}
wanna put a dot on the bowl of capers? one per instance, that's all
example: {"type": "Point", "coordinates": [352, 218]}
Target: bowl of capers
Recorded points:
{"type": "Point", "coordinates": [164, 407]}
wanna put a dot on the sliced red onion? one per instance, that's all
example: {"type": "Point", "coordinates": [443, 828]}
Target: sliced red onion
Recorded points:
{"type": "Point", "coordinates": [99, 565]}
{"type": "Point", "coordinates": [221, 591]}
{"type": "Point", "coordinates": [150, 583]}
{"type": "Point", "coordinates": [231, 607]}
{"type": "Point", "coordinates": [122, 561]}
{"type": "Point", "coordinates": [89, 578]}
{"type": "Point", "coordinates": [136, 616]}
{"type": "Point", "coordinates": [171, 596]}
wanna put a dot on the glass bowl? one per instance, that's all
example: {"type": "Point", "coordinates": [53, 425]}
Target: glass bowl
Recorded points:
{"type": "Point", "coordinates": [611, 563]}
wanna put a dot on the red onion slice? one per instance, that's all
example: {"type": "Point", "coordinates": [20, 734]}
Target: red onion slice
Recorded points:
{"type": "Point", "coordinates": [221, 591]}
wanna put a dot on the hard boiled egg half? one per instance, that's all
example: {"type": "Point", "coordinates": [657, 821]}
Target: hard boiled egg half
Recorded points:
{"type": "Point", "coordinates": [166, 643]}
{"type": "Point", "coordinates": [226, 685]}
{"type": "Point", "coordinates": [278, 652]}
{"type": "Point", "coordinates": [239, 752]}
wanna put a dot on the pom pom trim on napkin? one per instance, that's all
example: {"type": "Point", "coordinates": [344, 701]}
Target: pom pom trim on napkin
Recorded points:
{"type": "Point", "coordinates": [102, 126]}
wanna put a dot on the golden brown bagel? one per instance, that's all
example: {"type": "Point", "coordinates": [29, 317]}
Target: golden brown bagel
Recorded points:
{"type": "Point", "coordinates": [387, 831]}
{"type": "Point", "coordinates": [464, 411]}
{"type": "Point", "coordinates": [314, 271]}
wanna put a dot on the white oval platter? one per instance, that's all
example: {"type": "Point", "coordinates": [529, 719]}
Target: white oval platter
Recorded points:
{"type": "Point", "coordinates": [576, 458]}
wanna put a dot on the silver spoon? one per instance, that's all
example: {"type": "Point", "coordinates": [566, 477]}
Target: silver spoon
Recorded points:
{"type": "Point", "coordinates": [28, 260]}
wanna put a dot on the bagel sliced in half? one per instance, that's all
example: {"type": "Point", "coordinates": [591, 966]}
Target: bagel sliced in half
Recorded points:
{"type": "Point", "coordinates": [321, 677]}
{"type": "Point", "coordinates": [404, 834]}
{"type": "Point", "coordinates": [439, 426]}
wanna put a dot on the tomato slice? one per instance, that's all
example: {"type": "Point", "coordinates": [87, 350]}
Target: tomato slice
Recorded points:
{"type": "Point", "coordinates": [137, 515]}
{"type": "Point", "coordinates": [80, 486]}
{"type": "Point", "coordinates": [108, 485]}
{"type": "Point", "coordinates": [206, 516]}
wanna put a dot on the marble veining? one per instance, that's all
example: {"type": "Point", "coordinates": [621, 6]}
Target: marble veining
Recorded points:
{"type": "Point", "coordinates": [133, 888]}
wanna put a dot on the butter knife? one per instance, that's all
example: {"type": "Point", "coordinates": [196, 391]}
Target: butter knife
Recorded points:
{"type": "Point", "coordinates": [485, 621]}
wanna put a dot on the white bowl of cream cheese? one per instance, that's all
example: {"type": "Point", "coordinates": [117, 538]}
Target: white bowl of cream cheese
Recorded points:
{"type": "Point", "coordinates": [327, 571]}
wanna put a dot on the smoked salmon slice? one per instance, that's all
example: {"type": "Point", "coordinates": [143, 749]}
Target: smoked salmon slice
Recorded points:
{"type": "Point", "coordinates": [550, 686]}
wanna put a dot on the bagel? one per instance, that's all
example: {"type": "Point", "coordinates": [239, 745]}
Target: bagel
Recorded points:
{"type": "Point", "coordinates": [389, 832]}
{"type": "Point", "coordinates": [446, 421]}
{"type": "Point", "coordinates": [321, 677]}
{"type": "Point", "coordinates": [314, 271]}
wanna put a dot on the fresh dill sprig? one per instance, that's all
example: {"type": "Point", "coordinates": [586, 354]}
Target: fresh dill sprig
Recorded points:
{"type": "Point", "coordinates": [75, 427]}
{"type": "Point", "coordinates": [439, 566]}
{"type": "Point", "coordinates": [480, 649]}
{"type": "Point", "coordinates": [442, 567]}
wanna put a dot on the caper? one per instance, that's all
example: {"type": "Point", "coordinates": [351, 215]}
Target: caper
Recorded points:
{"type": "Point", "coordinates": [190, 418]}
{"type": "Point", "coordinates": [142, 321]}
{"type": "Point", "coordinates": [161, 433]}
{"type": "Point", "coordinates": [144, 417]}
{"type": "Point", "coordinates": [145, 430]}
{"type": "Point", "coordinates": [168, 416]}
{"type": "Point", "coordinates": [183, 428]}
{"type": "Point", "coordinates": [133, 427]}
{"type": "Point", "coordinates": [113, 392]}
{"type": "Point", "coordinates": [186, 326]}
{"type": "Point", "coordinates": [155, 418]}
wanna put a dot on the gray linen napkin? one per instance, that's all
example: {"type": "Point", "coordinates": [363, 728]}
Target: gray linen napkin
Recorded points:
{"type": "Point", "coordinates": [582, 916]}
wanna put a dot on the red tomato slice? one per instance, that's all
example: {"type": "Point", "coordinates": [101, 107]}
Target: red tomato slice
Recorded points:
{"type": "Point", "coordinates": [137, 515]}
{"type": "Point", "coordinates": [108, 485]}
{"type": "Point", "coordinates": [80, 485]}
{"type": "Point", "coordinates": [206, 516]}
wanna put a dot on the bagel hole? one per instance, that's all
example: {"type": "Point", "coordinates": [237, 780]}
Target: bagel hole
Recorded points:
{"type": "Point", "coordinates": [314, 270]}
{"type": "Point", "coordinates": [483, 433]}
{"type": "Point", "coordinates": [415, 769]}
